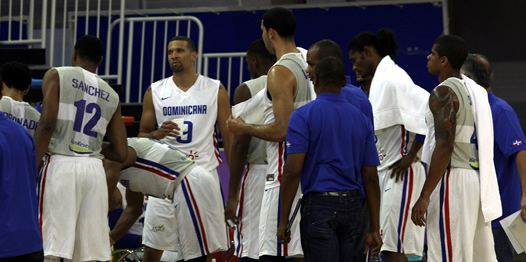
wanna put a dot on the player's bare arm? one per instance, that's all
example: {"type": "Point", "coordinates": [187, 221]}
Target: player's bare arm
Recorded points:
{"type": "Point", "coordinates": [444, 105]}
{"type": "Point", "coordinates": [281, 85]}
{"type": "Point", "coordinates": [131, 213]}
{"type": "Point", "coordinates": [372, 195]}
{"type": "Point", "coordinates": [113, 168]}
{"type": "Point", "coordinates": [238, 158]}
{"type": "Point", "coordinates": [223, 112]}
{"type": "Point", "coordinates": [116, 135]}
{"type": "Point", "coordinates": [521, 167]}
{"type": "Point", "coordinates": [289, 186]}
{"type": "Point", "coordinates": [400, 167]}
{"type": "Point", "coordinates": [148, 125]}
{"type": "Point", "coordinates": [48, 117]}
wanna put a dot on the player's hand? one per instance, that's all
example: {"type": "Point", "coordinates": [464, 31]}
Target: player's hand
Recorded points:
{"type": "Point", "coordinates": [167, 128]}
{"type": "Point", "coordinates": [400, 167]}
{"type": "Point", "coordinates": [418, 214]}
{"type": "Point", "coordinates": [523, 207]}
{"type": "Point", "coordinates": [230, 211]}
{"type": "Point", "coordinates": [282, 233]}
{"type": "Point", "coordinates": [374, 242]}
{"type": "Point", "coordinates": [236, 126]}
{"type": "Point", "coordinates": [112, 242]}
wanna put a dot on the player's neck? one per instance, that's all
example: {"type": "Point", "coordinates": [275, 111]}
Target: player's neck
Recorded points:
{"type": "Point", "coordinates": [285, 47]}
{"type": "Point", "coordinates": [184, 80]}
{"type": "Point", "coordinates": [14, 94]}
{"type": "Point", "coordinates": [447, 73]}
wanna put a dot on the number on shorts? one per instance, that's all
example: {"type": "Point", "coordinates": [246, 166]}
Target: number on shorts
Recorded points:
{"type": "Point", "coordinates": [187, 133]}
{"type": "Point", "coordinates": [79, 117]}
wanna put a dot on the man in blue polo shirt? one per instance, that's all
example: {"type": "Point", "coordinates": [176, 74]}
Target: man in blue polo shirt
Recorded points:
{"type": "Point", "coordinates": [328, 142]}
{"type": "Point", "coordinates": [351, 94]}
{"type": "Point", "coordinates": [509, 153]}
{"type": "Point", "coordinates": [20, 234]}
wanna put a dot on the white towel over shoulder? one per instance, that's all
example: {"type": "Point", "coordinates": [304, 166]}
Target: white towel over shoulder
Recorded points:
{"type": "Point", "coordinates": [396, 100]}
{"type": "Point", "coordinates": [489, 188]}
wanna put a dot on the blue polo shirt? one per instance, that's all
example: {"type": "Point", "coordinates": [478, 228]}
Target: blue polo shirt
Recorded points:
{"type": "Point", "coordinates": [337, 139]}
{"type": "Point", "coordinates": [20, 232]}
{"type": "Point", "coordinates": [509, 139]}
{"type": "Point", "coordinates": [356, 97]}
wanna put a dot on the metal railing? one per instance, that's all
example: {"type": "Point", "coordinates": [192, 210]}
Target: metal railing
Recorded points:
{"type": "Point", "coordinates": [218, 57]}
{"type": "Point", "coordinates": [25, 19]}
{"type": "Point", "coordinates": [131, 21]}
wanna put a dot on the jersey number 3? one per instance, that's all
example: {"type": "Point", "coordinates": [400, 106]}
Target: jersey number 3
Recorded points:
{"type": "Point", "coordinates": [82, 108]}
{"type": "Point", "coordinates": [186, 136]}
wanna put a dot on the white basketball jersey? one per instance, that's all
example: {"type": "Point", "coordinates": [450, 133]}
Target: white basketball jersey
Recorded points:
{"type": "Point", "coordinates": [296, 63]}
{"type": "Point", "coordinates": [392, 144]}
{"type": "Point", "coordinates": [20, 112]}
{"type": "Point", "coordinates": [86, 105]}
{"type": "Point", "coordinates": [256, 151]}
{"type": "Point", "coordinates": [198, 108]}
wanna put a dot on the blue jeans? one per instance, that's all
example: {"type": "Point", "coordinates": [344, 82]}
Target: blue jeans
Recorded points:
{"type": "Point", "coordinates": [330, 226]}
{"type": "Point", "coordinates": [503, 247]}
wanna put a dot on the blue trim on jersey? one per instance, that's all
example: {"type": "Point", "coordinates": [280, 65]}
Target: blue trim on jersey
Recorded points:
{"type": "Point", "coordinates": [157, 165]}
{"type": "Point", "coordinates": [402, 206]}
{"type": "Point", "coordinates": [194, 219]}
{"type": "Point", "coordinates": [441, 221]}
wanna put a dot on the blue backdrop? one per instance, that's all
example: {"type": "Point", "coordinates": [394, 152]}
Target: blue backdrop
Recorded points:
{"type": "Point", "coordinates": [416, 27]}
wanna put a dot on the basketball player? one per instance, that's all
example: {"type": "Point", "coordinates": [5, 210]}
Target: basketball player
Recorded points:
{"type": "Point", "coordinates": [461, 188]}
{"type": "Point", "coordinates": [159, 170]}
{"type": "Point", "coordinates": [78, 110]}
{"type": "Point", "coordinates": [288, 88]}
{"type": "Point", "coordinates": [399, 113]}
{"type": "Point", "coordinates": [245, 149]}
{"type": "Point", "coordinates": [197, 101]}
{"type": "Point", "coordinates": [16, 78]}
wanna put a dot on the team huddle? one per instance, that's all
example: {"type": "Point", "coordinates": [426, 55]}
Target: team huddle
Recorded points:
{"type": "Point", "coordinates": [320, 170]}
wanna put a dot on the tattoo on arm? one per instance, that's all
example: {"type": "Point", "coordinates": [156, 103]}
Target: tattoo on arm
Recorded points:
{"type": "Point", "coordinates": [443, 105]}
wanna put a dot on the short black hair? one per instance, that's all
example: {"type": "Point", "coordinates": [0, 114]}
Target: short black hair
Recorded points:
{"type": "Point", "coordinates": [257, 49]}
{"type": "Point", "coordinates": [16, 75]}
{"type": "Point", "coordinates": [90, 48]}
{"type": "Point", "coordinates": [327, 48]}
{"type": "Point", "coordinates": [189, 42]}
{"type": "Point", "coordinates": [330, 71]}
{"type": "Point", "coordinates": [282, 20]}
{"type": "Point", "coordinates": [478, 67]}
{"type": "Point", "coordinates": [384, 41]}
{"type": "Point", "coordinates": [454, 48]}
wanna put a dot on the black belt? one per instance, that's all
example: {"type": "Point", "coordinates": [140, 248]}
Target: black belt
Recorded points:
{"type": "Point", "coordinates": [353, 193]}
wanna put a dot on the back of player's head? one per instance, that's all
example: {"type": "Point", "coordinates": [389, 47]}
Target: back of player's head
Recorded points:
{"type": "Point", "coordinates": [16, 75]}
{"type": "Point", "coordinates": [478, 67]}
{"type": "Point", "coordinates": [89, 48]}
{"type": "Point", "coordinates": [257, 49]}
{"type": "Point", "coordinates": [189, 42]}
{"type": "Point", "coordinates": [383, 41]}
{"type": "Point", "coordinates": [282, 20]}
{"type": "Point", "coordinates": [327, 48]}
{"type": "Point", "coordinates": [454, 48]}
{"type": "Point", "coordinates": [330, 71]}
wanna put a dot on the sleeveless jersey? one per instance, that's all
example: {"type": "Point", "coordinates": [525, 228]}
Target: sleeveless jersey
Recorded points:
{"type": "Point", "coordinates": [159, 159]}
{"type": "Point", "coordinates": [465, 152]}
{"type": "Point", "coordinates": [20, 112]}
{"type": "Point", "coordinates": [198, 107]}
{"type": "Point", "coordinates": [86, 105]}
{"type": "Point", "coordinates": [304, 94]}
{"type": "Point", "coordinates": [256, 150]}
{"type": "Point", "coordinates": [392, 143]}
